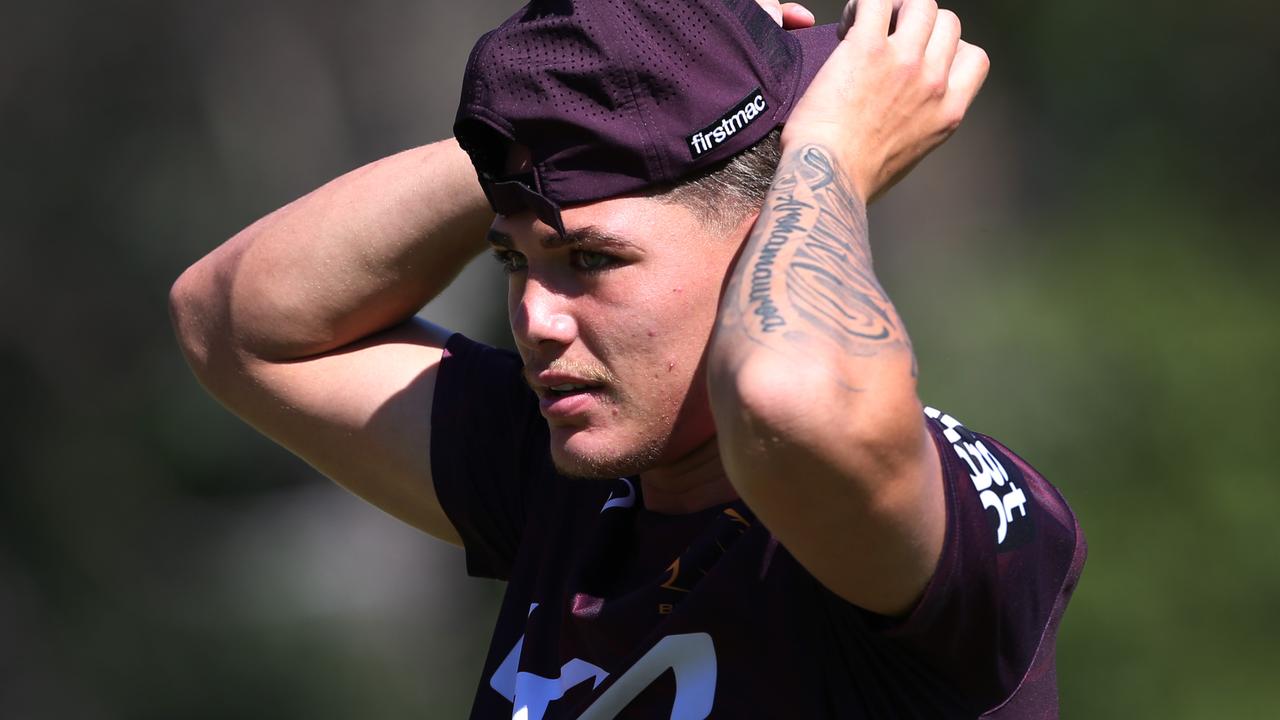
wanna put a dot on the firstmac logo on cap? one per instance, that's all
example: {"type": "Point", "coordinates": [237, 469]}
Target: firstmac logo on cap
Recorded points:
{"type": "Point", "coordinates": [717, 133]}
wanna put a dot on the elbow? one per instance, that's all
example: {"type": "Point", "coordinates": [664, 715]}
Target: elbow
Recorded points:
{"type": "Point", "coordinates": [196, 313]}
{"type": "Point", "coordinates": [870, 430]}
{"type": "Point", "coordinates": [184, 314]}
{"type": "Point", "coordinates": [758, 394]}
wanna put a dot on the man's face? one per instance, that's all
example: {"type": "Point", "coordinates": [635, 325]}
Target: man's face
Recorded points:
{"type": "Point", "coordinates": [612, 323]}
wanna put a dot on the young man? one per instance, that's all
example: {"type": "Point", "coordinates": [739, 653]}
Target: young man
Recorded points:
{"type": "Point", "coordinates": [706, 477]}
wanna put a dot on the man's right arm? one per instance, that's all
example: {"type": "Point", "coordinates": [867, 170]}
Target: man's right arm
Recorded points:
{"type": "Point", "coordinates": [303, 323]}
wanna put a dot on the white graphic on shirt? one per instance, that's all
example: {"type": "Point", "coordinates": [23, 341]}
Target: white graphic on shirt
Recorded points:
{"type": "Point", "coordinates": [989, 476]}
{"type": "Point", "coordinates": [622, 502]}
{"type": "Point", "coordinates": [530, 694]}
{"type": "Point", "coordinates": [691, 657]}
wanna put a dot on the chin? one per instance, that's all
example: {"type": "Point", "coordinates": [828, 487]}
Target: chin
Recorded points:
{"type": "Point", "coordinates": [577, 456]}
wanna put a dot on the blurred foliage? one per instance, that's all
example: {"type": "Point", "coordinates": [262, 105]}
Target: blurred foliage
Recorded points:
{"type": "Point", "coordinates": [1136, 376]}
{"type": "Point", "coordinates": [1087, 269]}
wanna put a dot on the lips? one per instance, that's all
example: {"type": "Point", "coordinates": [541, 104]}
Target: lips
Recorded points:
{"type": "Point", "coordinates": [565, 397]}
{"type": "Point", "coordinates": [565, 409]}
{"type": "Point", "coordinates": [557, 382]}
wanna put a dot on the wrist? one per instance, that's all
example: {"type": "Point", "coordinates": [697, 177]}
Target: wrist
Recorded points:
{"type": "Point", "coordinates": [836, 151]}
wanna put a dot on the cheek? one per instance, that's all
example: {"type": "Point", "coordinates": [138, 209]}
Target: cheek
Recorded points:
{"type": "Point", "coordinates": [660, 329]}
{"type": "Point", "coordinates": [677, 323]}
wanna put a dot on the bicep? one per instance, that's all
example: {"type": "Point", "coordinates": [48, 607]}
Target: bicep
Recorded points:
{"type": "Point", "coordinates": [361, 415]}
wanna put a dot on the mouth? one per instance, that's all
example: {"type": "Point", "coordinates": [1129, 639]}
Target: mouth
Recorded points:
{"type": "Point", "coordinates": [571, 393]}
{"type": "Point", "coordinates": [568, 389]}
{"type": "Point", "coordinates": [566, 399]}
{"type": "Point", "coordinates": [567, 379]}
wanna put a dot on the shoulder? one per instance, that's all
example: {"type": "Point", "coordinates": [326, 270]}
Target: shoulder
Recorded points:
{"type": "Point", "coordinates": [481, 389]}
{"type": "Point", "coordinates": [1012, 556]}
{"type": "Point", "coordinates": [1013, 495]}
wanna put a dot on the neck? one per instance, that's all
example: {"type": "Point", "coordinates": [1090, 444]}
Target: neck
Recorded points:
{"type": "Point", "coordinates": [691, 483]}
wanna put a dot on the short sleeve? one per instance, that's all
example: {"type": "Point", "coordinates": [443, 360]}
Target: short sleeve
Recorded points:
{"type": "Point", "coordinates": [1011, 558]}
{"type": "Point", "coordinates": [488, 452]}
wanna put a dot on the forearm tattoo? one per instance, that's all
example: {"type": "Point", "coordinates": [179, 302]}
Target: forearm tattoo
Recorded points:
{"type": "Point", "coordinates": [806, 271]}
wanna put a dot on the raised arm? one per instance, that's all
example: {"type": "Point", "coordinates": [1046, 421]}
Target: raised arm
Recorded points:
{"type": "Point", "coordinates": [812, 376]}
{"type": "Point", "coordinates": [303, 323]}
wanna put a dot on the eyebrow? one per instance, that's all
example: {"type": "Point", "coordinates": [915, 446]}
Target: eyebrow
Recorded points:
{"type": "Point", "coordinates": [589, 235]}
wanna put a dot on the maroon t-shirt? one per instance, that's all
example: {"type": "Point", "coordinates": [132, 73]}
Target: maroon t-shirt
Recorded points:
{"type": "Point", "coordinates": [615, 611]}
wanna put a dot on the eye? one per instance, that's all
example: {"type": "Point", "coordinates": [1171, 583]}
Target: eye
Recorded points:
{"type": "Point", "coordinates": [592, 261]}
{"type": "Point", "coordinates": [510, 260]}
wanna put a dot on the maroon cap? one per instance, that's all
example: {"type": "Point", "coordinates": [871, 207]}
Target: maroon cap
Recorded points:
{"type": "Point", "coordinates": [615, 96]}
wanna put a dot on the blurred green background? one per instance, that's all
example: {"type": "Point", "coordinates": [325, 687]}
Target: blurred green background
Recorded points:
{"type": "Point", "coordinates": [1088, 270]}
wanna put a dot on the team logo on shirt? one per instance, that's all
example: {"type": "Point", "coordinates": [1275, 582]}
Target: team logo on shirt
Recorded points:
{"type": "Point", "coordinates": [691, 658]}
{"type": "Point", "coordinates": [997, 480]}
{"type": "Point", "coordinates": [621, 501]}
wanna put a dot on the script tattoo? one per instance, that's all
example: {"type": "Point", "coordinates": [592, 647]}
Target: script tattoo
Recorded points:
{"type": "Point", "coordinates": [806, 271]}
{"type": "Point", "coordinates": [829, 279]}
{"type": "Point", "coordinates": [785, 215]}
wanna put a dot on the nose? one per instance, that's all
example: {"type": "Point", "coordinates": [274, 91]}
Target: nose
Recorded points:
{"type": "Point", "coordinates": [540, 315]}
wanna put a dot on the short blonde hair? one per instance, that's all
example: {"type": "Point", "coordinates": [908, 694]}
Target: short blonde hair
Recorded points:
{"type": "Point", "coordinates": [723, 194]}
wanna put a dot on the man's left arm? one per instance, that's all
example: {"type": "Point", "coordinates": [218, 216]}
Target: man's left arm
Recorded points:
{"type": "Point", "coordinates": [811, 371]}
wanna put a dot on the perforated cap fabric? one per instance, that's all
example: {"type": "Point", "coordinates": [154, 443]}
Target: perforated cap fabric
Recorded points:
{"type": "Point", "coordinates": [615, 96]}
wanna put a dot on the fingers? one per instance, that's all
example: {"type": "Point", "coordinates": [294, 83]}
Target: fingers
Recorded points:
{"type": "Point", "coordinates": [892, 91]}
{"type": "Point", "coordinates": [968, 73]}
{"type": "Point", "coordinates": [790, 15]}
{"type": "Point", "coordinates": [868, 19]}
{"type": "Point", "coordinates": [915, 25]}
{"type": "Point", "coordinates": [795, 15]}
{"type": "Point", "coordinates": [940, 53]}
{"type": "Point", "coordinates": [875, 18]}
{"type": "Point", "coordinates": [846, 19]}
{"type": "Point", "coordinates": [921, 29]}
